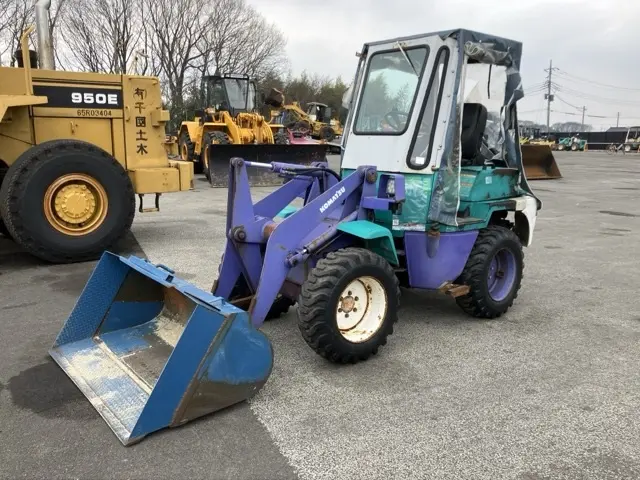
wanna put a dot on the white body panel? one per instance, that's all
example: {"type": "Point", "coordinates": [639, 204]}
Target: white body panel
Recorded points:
{"type": "Point", "coordinates": [528, 206]}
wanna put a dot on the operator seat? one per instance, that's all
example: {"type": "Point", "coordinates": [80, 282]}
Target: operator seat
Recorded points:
{"type": "Point", "coordinates": [474, 122]}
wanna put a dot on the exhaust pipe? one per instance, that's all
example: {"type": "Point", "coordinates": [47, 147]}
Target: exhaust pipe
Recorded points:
{"type": "Point", "coordinates": [45, 43]}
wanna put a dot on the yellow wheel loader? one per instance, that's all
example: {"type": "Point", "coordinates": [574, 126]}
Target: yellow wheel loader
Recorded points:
{"type": "Point", "coordinates": [75, 149]}
{"type": "Point", "coordinates": [320, 114]}
{"type": "Point", "coordinates": [230, 126]}
{"type": "Point", "coordinates": [316, 120]}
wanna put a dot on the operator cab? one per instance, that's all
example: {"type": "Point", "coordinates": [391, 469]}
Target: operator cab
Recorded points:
{"type": "Point", "coordinates": [319, 112]}
{"type": "Point", "coordinates": [433, 104]}
{"type": "Point", "coordinates": [232, 93]}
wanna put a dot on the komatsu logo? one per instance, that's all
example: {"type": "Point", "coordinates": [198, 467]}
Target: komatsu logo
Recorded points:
{"type": "Point", "coordinates": [329, 202]}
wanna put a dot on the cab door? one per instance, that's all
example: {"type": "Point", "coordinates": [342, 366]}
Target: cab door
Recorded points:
{"type": "Point", "coordinates": [400, 117]}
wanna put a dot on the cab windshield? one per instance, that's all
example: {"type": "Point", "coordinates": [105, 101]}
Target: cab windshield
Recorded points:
{"type": "Point", "coordinates": [237, 92]}
{"type": "Point", "coordinates": [389, 91]}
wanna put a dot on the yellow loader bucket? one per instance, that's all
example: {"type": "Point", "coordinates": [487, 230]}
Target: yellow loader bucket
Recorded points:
{"type": "Point", "coordinates": [539, 162]}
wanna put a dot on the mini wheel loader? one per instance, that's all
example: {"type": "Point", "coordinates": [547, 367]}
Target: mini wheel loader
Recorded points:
{"type": "Point", "coordinates": [230, 126]}
{"type": "Point", "coordinates": [427, 197]}
{"type": "Point", "coordinates": [75, 149]}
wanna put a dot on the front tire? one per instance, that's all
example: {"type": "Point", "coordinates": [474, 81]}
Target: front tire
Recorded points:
{"type": "Point", "coordinates": [187, 149]}
{"type": "Point", "coordinates": [348, 305]}
{"type": "Point", "coordinates": [67, 201]}
{"type": "Point", "coordinates": [281, 138]}
{"type": "Point", "coordinates": [493, 272]}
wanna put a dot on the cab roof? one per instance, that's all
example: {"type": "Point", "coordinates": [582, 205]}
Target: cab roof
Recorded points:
{"type": "Point", "coordinates": [501, 44]}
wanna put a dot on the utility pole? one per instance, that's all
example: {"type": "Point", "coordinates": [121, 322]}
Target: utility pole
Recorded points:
{"type": "Point", "coordinates": [582, 127]}
{"type": "Point", "coordinates": [548, 97]}
{"type": "Point", "coordinates": [618, 120]}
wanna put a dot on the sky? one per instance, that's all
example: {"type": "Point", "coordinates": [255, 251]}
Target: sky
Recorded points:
{"type": "Point", "coordinates": [592, 43]}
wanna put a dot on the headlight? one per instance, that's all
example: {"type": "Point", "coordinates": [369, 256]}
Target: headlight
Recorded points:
{"type": "Point", "coordinates": [391, 187]}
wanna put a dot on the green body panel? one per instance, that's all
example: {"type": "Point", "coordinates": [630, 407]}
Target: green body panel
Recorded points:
{"type": "Point", "coordinates": [479, 184]}
{"type": "Point", "coordinates": [377, 238]}
{"type": "Point", "coordinates": [287, 211]}
{"type": "Point", "coordinates": [413, 216]}
{"type": "Point", "coordinates": [483, 191]}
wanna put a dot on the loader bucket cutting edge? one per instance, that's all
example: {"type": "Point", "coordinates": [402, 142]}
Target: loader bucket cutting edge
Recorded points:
{"type": "Point", "coordinates": [539, 162]}
{"type": "Point", "coordinates": [151, 351]}
{"type": "Point", "coordinates": [220, 157]}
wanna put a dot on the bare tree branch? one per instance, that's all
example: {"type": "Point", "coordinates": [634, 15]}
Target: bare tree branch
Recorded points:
{"type": "Point", "coordinates": [101, 35]}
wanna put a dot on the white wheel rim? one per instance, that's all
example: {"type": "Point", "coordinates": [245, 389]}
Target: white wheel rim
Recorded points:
{"type": "Point", "coordinates": [361, 309]}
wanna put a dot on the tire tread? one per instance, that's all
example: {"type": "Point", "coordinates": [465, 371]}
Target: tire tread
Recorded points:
{"type": "Point", "coordinates": [13, 190]}
{"type": "Point", "coordinates": [475, 303]}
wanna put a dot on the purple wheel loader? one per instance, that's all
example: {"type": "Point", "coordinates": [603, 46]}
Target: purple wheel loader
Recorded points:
{"type": "Point", "coordinates": [431, 194]}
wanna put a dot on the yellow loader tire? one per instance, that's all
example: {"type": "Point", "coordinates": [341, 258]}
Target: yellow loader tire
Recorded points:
{"type": "Point", "coordinates": [208, 139]}
{"type": "Point", "coordinates": [67, 201]}
{"type": "Point", "coordinates": [327, 134]}
{"type": "Point", "coordinates": [186, 150]}
{"type": "Point", "coordinates": [281, 138]}
{"type": "Point", "coordinates": [3, 227]}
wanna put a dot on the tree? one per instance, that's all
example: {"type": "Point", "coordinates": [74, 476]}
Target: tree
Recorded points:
{"type": "Point", "coordinates": [569, 127]}
{"type": "Point", "coordinates": [103, 38]}
{"type": "Point", "coordinates": [20, 14]}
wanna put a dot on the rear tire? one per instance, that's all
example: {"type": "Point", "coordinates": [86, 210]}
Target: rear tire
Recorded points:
{"type": "Point", "coordinates": [186, 149]}
{"type": "Point", "coordinates": [208, 139]}
{"type": "Point", "coordinates": [493, 272]}
{"type": "Point", "coordinates": [280, 305]}
{"type": "Point", "coordinates": [67, 201]}
{"type": "Point", "coordinates": [336, 287]}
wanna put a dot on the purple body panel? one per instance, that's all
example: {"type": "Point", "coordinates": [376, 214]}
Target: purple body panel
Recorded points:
{"type": "Point", "coordinates": [447, 263]}
{"type": "Point", "coordinates": [267, 253]}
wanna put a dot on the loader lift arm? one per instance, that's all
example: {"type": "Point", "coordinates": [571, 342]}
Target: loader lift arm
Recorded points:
{"type": "Point", "coordinates": [267, 253]}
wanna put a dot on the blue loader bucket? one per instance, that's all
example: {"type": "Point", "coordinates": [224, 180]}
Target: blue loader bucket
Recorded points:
{"type": "Point", "coordinates": [151, 351]}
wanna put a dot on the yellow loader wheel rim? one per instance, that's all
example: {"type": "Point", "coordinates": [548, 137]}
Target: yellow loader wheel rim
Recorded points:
{"type": "Point", "coordinates": [76, 204]}
{"type": "Point", "coordinates": [184, 152]}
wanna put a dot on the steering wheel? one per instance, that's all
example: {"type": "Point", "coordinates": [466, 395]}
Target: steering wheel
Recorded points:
{"type": "Point", "coordinates": [393, 119]}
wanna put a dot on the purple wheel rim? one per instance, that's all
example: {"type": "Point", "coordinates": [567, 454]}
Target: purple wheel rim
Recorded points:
{"type": "Point", "coordinates": [501, 275]}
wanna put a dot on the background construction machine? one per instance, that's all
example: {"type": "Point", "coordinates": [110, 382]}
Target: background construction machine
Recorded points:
{"type": "Point", "coordinates": [229, 117]}
{"type": "Point", "coordinates": [231, 122]}
{"type": "Point", "coordinates": [573, 144]}
{"type": "Point", "coordinates": [316, 120]}
{"type": "Point", "coordinates": [537, 155]}
{"type": "Point", "coordinates": [75, 148]}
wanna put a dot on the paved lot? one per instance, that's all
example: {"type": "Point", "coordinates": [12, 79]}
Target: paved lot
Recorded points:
{"type": "Point", "coordinates": [551, 391]}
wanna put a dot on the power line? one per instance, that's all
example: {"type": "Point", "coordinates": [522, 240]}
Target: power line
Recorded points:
{"type": "Point", "coordinates": [593, 82]}
{"type": "Point", "coordinates": [567, 103]}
